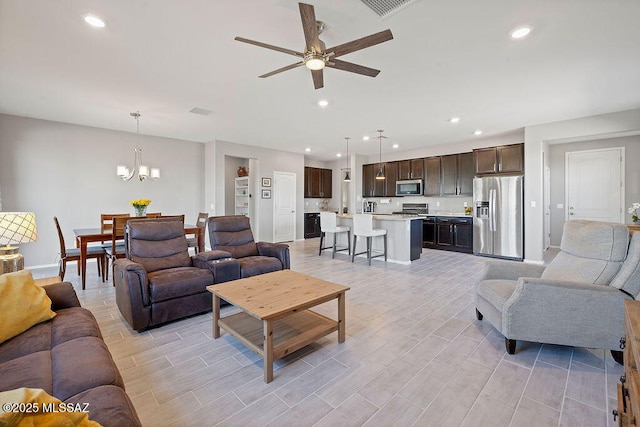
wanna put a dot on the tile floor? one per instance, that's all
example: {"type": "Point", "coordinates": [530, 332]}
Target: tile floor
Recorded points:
{"type": "Point", "coordinates": [414, 356]}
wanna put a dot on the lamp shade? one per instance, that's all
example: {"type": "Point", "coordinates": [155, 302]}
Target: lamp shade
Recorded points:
{"type": "Point", "coordinates": [17, 227]}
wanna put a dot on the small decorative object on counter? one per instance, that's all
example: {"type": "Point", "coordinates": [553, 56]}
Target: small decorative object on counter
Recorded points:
{"type": "Point", "coordinates": [325, 205]}
{"type": "Point", "coordinates": [468, 210]}
{"type": "Point", "coordinates": [140, 206]}
{"type": "Point", "coordinates": [634, 210]}
{"type": "Point", "coordinates": [242, 171]}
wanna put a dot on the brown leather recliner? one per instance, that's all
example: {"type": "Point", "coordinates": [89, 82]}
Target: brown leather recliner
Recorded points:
{"type": "Point", "coordinates": [233, 234]}
{"type": "Point", "coordinates": [158, 281]}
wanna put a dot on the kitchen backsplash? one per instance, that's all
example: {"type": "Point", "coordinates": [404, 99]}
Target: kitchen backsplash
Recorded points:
{"type": "Point", "coordinates": [444, 205]}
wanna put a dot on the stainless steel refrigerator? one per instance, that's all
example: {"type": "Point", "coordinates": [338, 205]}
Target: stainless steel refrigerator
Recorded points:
{"type": "Point", "coordinates": [498, 217]}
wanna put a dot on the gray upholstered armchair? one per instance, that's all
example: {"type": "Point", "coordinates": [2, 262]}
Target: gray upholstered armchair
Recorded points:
{"type": "Point", "coordinates": [158, 281]}
{"type": "Point", "coordinates": [577, 300]}
{"type": "Point", "coordinates": [233, 234]}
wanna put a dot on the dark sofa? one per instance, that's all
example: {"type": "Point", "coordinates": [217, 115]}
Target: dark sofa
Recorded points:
{"type": "Point", "coordinates": [67, 358]}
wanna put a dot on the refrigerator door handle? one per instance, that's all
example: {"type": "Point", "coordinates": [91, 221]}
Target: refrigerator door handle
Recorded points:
{"type": "Point", "coordinates": [492, 209]}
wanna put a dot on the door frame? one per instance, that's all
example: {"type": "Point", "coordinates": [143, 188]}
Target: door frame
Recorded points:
{"type": "Point", "coordinates": [621, 152]}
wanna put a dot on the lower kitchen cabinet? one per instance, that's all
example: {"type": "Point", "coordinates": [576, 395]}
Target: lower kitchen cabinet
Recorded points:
{"type": "Point", "coordinates": [311, 225]}
{"type": "Point", "coordinates": [449, 233]}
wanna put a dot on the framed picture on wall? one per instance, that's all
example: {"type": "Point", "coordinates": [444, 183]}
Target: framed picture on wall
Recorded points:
{"type": "Point", "coordinates": [266, 194]}
{"type": "Point", "coordinates": [266, 182]}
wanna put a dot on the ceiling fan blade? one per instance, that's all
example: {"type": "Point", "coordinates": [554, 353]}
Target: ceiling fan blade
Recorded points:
{"type": "Point", "coordinates": [279, 70]}
{"type": "Point", "coordinates": [269, 46]}
{"type": "Point", "coordinates": [362, 43]}
{"type": "Point", "coordinates": [309, 26]}
{"type": "Point", "coordinates": [353, 68]}
{"type": "Point", "coordinates": [318, 78]}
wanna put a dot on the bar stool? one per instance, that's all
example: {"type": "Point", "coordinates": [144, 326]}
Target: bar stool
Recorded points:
{"type": "Point", "coordinates": [328, 225]}
{"type": "Point", "coordinates": [363, 226]}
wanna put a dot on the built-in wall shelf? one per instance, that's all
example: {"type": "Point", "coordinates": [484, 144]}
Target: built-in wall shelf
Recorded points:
{"type": "Point", "coordinates": [242, 196]}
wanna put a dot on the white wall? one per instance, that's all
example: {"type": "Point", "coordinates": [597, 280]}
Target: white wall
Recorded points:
{"type": "Point", "coordinates": [69, 171]}
{"type": "Point", "coordinates": [557, 153]}
{"type": "Point", "coordinates": [268, 161]}
{"type": "Point", "coordinates": [536, 142]}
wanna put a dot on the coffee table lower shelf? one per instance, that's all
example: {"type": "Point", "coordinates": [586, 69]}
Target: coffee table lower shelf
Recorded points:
{"type": "Point", "coordinates": [289, 334]}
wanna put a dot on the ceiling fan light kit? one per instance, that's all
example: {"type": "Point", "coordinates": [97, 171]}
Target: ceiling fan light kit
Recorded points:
{"type": "Point", "coordinates": [316, 56]}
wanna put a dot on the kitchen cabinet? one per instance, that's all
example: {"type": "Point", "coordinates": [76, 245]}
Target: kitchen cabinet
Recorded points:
{"type": "Point", "coordinates": [429, 232]}
{"type": "Point", "coordinates": [311, 225]}
{"type": "Point", "coordinates": [391, 177]}
{"type": "Point", "coordinates": [372, 187]}
{"type": "Point", "coordinates": [411, 169]}
{"type": "Point", "coordinates": [318, 183]}
{"type": "Point", "coordinates": [457, 172]}
{"type": "Point", "coordinates": [498, 160]}
{"type": "Point", "coordinates": [326, 180]}
{"type": "Point", "coordinates": [432, 176]}
{"type": "Point", "coordinates": [448, 233]}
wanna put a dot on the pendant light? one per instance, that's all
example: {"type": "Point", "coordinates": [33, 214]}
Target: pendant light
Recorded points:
{"type": "Point", "coordinates": [347, 176]}
{"type": "Point", "coordinates": [380, 174]}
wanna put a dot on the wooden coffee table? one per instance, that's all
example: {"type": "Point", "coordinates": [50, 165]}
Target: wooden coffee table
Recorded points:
{"type": "Point", "coordinates": [275, 320]}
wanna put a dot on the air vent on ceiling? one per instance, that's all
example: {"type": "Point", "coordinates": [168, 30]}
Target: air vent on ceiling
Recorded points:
{"type": "Point", "coordinates": [384, 8]}
{"type": "Point", "coordinates": [203, 111]}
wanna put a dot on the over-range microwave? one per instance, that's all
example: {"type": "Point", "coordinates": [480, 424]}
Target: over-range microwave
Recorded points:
{"type": "Point", "coordinates": [410, 187]}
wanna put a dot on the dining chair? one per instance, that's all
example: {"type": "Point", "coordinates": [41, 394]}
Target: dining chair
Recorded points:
{"type": "Point", "coordinates": [73, 254]}
{"type": "Point", "coordinates": [115, 249]}
{"type": "Point", "coordinates": [106, 224]}
{"type": "Point", "coordinates": [153, 215]}
{"type": "Point", "coordinates": [173, 216]}
{"type": "Point", "coordinates": [201, 222]}
{"type": "Point", "coordinates": [328, 224]}
{"type": "Point", "coordinates": [363, 226]}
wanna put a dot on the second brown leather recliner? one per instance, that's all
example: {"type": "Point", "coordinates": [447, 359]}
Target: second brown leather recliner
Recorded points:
{"type": "Point", "coordinates": [233, 234]}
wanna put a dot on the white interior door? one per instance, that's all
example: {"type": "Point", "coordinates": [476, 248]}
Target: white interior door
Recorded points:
{"type": "Point", "coordinates": [595, 185]}
{"type": "Point", "coordinates": [284, 206]}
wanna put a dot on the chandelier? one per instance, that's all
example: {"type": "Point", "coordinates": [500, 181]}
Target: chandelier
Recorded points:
{"type": "Point", "coordinates": [144, 171]}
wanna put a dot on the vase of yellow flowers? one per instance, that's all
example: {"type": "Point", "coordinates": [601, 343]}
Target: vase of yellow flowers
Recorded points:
{"type": "Point", "coordinates": [140, 206]}
{"type": "Point", "coordinates": [634, 210]}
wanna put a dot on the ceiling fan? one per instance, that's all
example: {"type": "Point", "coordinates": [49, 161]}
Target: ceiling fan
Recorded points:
{"type": "Point", "coordinates": [316, 56]}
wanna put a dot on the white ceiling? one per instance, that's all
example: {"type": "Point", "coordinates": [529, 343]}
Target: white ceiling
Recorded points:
{"type": "Point", "coordinates": [448, 58]}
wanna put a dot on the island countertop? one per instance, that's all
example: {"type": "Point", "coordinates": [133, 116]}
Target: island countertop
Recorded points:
{"type": "Point", "coordinates": [404, 236]}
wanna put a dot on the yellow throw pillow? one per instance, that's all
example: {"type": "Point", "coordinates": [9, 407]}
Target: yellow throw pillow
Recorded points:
{"type": "Point", "coordinates": [22, 304]}
{"type": "Point", "coordinates": [29, 407]}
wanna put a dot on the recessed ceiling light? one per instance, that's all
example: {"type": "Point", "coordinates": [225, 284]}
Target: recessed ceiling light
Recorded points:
{"type": "Point", "coordinates": [365, 138]}
{"type": "Point", "coordinates": [323, 103]}
{"type": "Point", "coordinates": [94, 21]}
{"type": "Point", "coordinates": [521, 32]}
{"type": "Point", "coordinates": [339, 155]}
{"type": "Point", "coordinates": [478, 132]}
{"type": "Point", "coordinates": [454, 119]}
{"type": "Point", "coordinates": [308, 150]}
{"type": "Point", "coordinates": [395, 145]}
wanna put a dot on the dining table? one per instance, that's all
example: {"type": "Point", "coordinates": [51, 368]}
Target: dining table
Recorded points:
{"type": "Point", "coordinates": [85, 236]}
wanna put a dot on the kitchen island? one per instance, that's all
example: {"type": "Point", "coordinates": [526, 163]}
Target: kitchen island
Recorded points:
{"type": "Point", "coordinates": [404, 236]}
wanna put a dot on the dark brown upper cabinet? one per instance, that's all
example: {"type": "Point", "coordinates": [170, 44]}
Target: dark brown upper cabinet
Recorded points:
{"type": "Point", "coordinates": [432, 176]}
{"type": "Point", "coordinates": [457, 172]}
{"type": "Point", "coordinates": [372, 187]}
{"type": "Point", "coordinates": [318, 183]}
{"type": "Point", "coordinates": [411, 169]}
{"type": "Point", "coordinates": [507, 159]}
{"type": "Point", "coordinates": [391, 177]}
